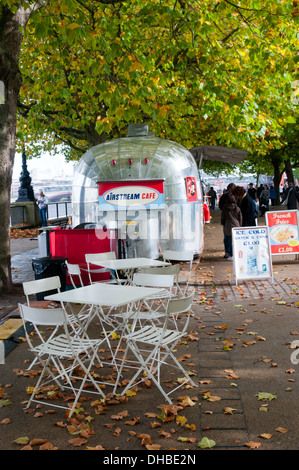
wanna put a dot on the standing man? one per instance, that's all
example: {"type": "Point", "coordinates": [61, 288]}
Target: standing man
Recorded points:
{"type": "Point", "coordinates": [252, 191]}
{"type": "Point", "coordinates": [222, 202]}
{"type": "Point", "coordinates": [212, 195]}
{"type": "Point", "coordinates": [292, 197]}
{"type": "Point", "coordinates": [42, 202]}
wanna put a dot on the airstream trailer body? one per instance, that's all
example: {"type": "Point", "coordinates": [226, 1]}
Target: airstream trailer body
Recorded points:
{"type": "Point", "coordinates": [146, 190]}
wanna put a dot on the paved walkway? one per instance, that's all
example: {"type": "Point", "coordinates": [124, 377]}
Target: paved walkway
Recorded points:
{"type": "Point", "coordinates": [239, 347]}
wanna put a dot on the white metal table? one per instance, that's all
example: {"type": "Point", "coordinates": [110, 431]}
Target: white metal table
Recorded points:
{"type": "Point", "coordinates": [128, 266]}
{"type": "Point", "coordinates": [101, 295]}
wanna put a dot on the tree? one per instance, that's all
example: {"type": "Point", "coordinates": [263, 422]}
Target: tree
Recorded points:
{"type": "Point", "coordinates": [13, 19]}
{"type": "Point", "coordinates": [199, 73]}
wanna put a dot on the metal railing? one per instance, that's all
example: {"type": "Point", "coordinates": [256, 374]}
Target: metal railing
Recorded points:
{"type": "Point", "coordinates": [57, 210]}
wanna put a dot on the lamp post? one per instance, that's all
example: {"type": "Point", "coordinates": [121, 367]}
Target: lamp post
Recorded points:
{"type": "Point", "coordinates": [25, 192]}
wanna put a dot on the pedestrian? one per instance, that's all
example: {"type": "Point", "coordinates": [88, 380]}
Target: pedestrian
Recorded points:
{"type": "Point", "coordinates": [291, 197]}
{"type": "Point", "coordinates": [226, 192]}
{"type": "Point", "coordinates": [231, 217]}
{"type": "Point", "coordinates": [252, 191]}
{"type": "Point", "coordinates": [284, 192]}
{"type": "Point", "coordinates": [247, 205]}
{"type": "Point", "coordinates": [273, 195]}
{"type": "Point", "coordinates": [264, 200]}
{"type": "Point", "coordinates": [212, 195]}
{"type": "Point", "coordinates": [259, 190]}
{"type": "Point", "coordinates": [42, 202]}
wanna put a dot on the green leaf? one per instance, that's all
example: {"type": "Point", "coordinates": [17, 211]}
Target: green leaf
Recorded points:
{"type": "Point", "coordinates": [265, 396]}
{"type": "Point", "coordinates": [206, 443]}
{"type": "Point", "coordinates": [5, 403]}
{"type": "Point", "coordinates": [22, 440]}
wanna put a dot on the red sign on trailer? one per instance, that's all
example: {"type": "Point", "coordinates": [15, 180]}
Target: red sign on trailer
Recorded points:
{"type": "Point", "coordinates": [283, 232]}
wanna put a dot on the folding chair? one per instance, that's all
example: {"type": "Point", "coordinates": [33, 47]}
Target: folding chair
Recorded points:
{"type": "Point", "coordinates": [53, 284]}
{"type": "Point", "coordinates": [154, 280]}
{"type": "Point", "coordinates": [187, 256]}
{"type": "Point", "coordinates": [160, 343]}
{"type": "Point", "coordinates": [89, 258]}
{"type": "Point", "coordinates": [37, 287]}
{"type": "Point", "coordinates": [74, 271]}
{"type": "Point", "coordinates": [174, 270]}
{"type": "Point", "coordinates": [51, 352]}
{"type": "Point", "coordinates": [41, 285]}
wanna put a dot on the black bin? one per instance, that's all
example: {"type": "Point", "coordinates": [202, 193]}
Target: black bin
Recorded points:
{"type": "Point", "coordinates": [48, 267]}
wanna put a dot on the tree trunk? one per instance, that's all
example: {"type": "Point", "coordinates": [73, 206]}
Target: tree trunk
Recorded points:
{"type": "Point", "coordinates": [10, 45]}
{"type": "Point", "coordinates": [276, 162]}
{"type": "Point", "coordinates": [289, 171]}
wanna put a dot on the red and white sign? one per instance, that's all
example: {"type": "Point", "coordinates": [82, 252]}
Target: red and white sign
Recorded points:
{"type": "Point", "coordinates": [122, 195]}
{"type": "Point", "coordinates": [191, 189]}
{"type": "Point", "coordinates": [283, 232]}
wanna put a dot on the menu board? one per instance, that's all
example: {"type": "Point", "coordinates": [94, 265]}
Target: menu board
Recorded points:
{"type": "Point", "coordinates": [283, 232]}
{"type": "Point", "coordinates": [252, 257]}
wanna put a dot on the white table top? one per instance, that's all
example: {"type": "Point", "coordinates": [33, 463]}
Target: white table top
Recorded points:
{"type": "Point", "coordinates": [106, 295]}
{"type": "Point", "coordinates": [130, 263]}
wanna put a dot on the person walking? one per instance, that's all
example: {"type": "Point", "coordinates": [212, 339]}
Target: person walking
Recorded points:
{"type": "Point", "coordinates": [221, 204]}
{"type": "Point", "coordinates": [259, 190]}
{"type": "Point", "coordinates": [273, 195]}
{"type": "Point", "coordinates": [231, 217]}
{"type": "Point", "coordinates": [264, 200]}
{"type": "Point", "coordinates": [252, 191]}
{"type": "Point", "coordinates": [291, 196]}
{"type": "Point", "coordinates": [212, 195]}
{"type": "Point", "coordinates": [247, 205]}
{"type": "Point", "coordinates": [42, 202]}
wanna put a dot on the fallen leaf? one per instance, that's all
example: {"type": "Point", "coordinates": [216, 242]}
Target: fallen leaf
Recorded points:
{"type": "Point", "coordinates": [206, 443]}
{"type": "Point", "coordinates": [77, 442]}
{"type": "Point", "coordinates": [265, 396]}
{"type": "Point", "coordinates": [282, 430]}
{"type": "Point", "coordinates": [252, 444]}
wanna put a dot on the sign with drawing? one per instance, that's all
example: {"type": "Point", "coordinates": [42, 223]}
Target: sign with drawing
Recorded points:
{"type": "Point", "coordinates": [251, 249]}
{"type": "Point", "coordinates": [283, 232]}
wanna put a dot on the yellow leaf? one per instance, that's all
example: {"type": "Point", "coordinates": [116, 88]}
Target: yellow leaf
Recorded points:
{"type": "Point", "coordinates": [182, 420]}
{"type": "Point", "coordinates": [73, 26]}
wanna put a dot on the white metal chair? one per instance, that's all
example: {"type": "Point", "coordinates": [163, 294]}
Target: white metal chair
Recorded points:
{"type": "Point", "coordinates": [90, 257]}
{"type": "Point", "coordinates": [51, 352]}
{"type": "Point", "coordinates": [40, 286]}
{"type": "Point", "coordinates": [154, 303]}
{"type": "Point", "coordinates": [173, 269]}
{"type": "Point", "coordinates": [182, 256]}
{"type": "Point", "coordinates": [53, 284]}
{"type": "Point", "coordinates": [74, 272]}
{"type": "Point", "coordinates": [153, 348]}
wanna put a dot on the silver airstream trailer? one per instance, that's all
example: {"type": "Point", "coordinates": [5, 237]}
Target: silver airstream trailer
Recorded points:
{"type": "Point", "coordinates": [145, 189]}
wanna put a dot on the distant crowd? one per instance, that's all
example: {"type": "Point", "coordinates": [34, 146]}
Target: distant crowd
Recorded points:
{"type": "Point", "coordinates": [240, 207]}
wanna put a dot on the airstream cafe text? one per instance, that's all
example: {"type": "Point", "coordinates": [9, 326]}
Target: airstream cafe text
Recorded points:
{"type": "Point", "coordinates": [128, 195]}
